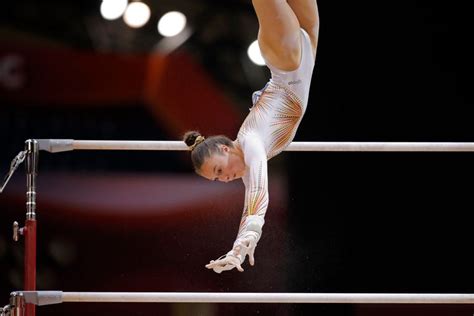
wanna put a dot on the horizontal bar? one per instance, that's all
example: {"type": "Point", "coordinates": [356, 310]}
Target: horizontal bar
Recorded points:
{"type": "Point", "coordinates": [381, 146]}
{"type": "Point", "coordinates": [52, 297]}
{"type": "Point", "coordinates": [129, 145]}
{"type": "Point", "coordinates": [58, 145]}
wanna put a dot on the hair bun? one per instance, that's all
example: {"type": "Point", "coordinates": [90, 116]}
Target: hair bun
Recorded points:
{"type": "Point", "coordinates": [190, 138]}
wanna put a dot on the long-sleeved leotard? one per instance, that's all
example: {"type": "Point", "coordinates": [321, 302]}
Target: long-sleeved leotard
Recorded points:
{"type": "Point", "coordinates": [270, 127]}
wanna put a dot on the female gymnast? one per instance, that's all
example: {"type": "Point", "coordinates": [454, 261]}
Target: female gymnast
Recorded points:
{"type": "Point", "coordinates": [288, 37]}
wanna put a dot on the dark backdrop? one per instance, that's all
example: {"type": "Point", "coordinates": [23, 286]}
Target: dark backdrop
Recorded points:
{"type": "Point", "coordinates": [387, 222]}
{"type": "Point", "coordinates": [358, 222]}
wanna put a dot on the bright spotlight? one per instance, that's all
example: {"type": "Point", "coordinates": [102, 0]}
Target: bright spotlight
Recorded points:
{"type": "Point", "coordinates": [254, 54]}
{"type": "Point", "coordinates": [137, 14]}
{"type": "Point", "coordinates": [171, 24]}
{"type": "Point", "coordinates": [113, 9]}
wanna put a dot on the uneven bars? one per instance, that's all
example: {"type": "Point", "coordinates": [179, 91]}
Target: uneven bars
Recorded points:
{"type": "Point", "coordinates": [59, 145]}
{"type": "Point", "coordinates": [55, 297]}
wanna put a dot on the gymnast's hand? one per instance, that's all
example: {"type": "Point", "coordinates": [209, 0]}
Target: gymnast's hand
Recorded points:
{"type": "Point", "coordinates": [246, 246]}
{"type": "Point", "coordinates": [234, 258]}
{"type": "Point", "coordinates": [225, 263]}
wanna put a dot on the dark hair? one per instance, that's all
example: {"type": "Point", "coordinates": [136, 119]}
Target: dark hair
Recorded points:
{"type": "Point", "coordinates": [204, 149]}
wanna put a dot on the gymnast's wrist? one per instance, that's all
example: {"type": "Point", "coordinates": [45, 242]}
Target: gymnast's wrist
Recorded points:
{"type": "Point", "coordinates": [251, 234]}
{"type": "Point", "coordinates": [254, 224]}
{"type": "Point", "coordinates": [233, 254]}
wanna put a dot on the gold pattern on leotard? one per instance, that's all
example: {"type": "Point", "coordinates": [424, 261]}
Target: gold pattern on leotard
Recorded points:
{"type": "Point", "coordinates": [275, 116]}
{"type": "Point", "coordinates": [287, 118]}
{"type": "Point", "coordinates": [274, 119]}
{"type": "Point", "coordinates": [257, 197]}
{"type": "Point", "coordinates": [268, 129]}
{"type": "Point", "coordinates": [281, 110]}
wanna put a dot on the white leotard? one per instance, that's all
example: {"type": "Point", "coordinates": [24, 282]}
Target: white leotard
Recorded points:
{"type": "Point", "coordinates": [271, 126]}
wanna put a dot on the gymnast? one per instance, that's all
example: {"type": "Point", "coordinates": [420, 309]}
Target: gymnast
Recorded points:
{"type": "Point", "coordinates": [287, 37]}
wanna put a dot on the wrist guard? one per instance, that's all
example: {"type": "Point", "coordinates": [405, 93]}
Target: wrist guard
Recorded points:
{"type": "Point", "coordinates": [254, 223]}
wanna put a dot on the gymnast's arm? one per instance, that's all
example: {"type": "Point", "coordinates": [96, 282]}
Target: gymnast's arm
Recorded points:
{"type": "Point", "coordinates": [255, 207]}
{"type": "Point", "coordinates": [256, 200]}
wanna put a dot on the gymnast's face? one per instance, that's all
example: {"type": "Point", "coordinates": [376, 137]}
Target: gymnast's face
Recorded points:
{"type": "Point", "coordinates": [225, 165]}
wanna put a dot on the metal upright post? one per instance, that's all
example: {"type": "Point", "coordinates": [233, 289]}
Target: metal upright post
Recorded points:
{"type": "Point", "coordinates": [29, 231]}
{"type": "Point", "coordinates": [17, 303]}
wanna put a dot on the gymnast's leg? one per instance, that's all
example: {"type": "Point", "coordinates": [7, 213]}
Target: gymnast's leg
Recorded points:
{"type": "Point", "coordinates": [308, 16]}
{"type": "Point", "coordinates": [279, 33]}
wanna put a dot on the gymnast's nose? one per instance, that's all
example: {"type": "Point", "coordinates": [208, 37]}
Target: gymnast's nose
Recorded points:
{"type": "Point", "coordinates": [225, 179]}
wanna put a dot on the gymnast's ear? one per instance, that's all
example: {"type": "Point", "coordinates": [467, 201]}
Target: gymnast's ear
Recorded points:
{"type": "Point", "coordinates": [223, 148]}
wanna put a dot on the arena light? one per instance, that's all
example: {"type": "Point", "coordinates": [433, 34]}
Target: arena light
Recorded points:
{"type": "Point", "coordinates": [137, 14]}
{"type": "Point", "coordinates": [254, 54]}
{"type": "Point", "coordinates": [171, 24]}
{"type": "Point", "coordinates": [113, 9]}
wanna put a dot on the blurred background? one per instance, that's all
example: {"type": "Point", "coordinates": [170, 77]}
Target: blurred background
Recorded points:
{"type": "Point", "coordinates": [143, 221]}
